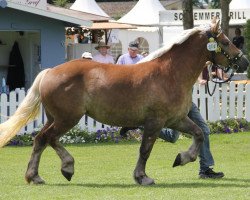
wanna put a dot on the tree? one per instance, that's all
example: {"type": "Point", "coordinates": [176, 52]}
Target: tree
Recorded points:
{"type": "Point", "coordinates": [247, 42]}
{"type": "Point", "coordinates": [61, 3]}
{"type": "Point", "coordinates": [225, 15]}
{"type": "Point", "coordinates": [209, 3]}
{"type": "Point", "coordinates": [187, 7]}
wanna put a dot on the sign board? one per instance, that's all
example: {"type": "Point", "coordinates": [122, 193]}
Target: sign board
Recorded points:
{"type": "Point", "coordinates": [203, 16]}
{"type": "Point", "coordinates": [41, 4]}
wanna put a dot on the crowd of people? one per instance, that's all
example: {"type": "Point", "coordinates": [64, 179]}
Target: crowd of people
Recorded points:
{"type": "Point", "coordinates": [131, 57]}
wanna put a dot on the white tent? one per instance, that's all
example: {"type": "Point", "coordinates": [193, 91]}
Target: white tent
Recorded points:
{"type": "Point", "coordinates": [145, 12]}
{"type": "Point", "coordinates": [88, 6]}
{"type": "Point", "coordinates": [239, 4]}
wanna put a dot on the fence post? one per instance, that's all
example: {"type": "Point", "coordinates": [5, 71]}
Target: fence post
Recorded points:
{"type": "Point", "coordinates": [247, 103]}
{"type": "Point", "coordinates": [216, 104]}
{"type": "Point", "coordinates": [4, 108]}
{"type": "Point", "coordinates": [239, 103]}
{"type": "Point", "coordinates": [224, 101]}
{"type": "Point", "coordinates": [232, 100]}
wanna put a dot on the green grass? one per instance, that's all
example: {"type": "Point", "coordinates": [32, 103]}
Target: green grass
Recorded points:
{"type": "Point", "coordinates": [104, 171]}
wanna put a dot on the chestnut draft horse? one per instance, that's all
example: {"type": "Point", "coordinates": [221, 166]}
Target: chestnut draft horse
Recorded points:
{"type": "Point", "coordinates": [155, 93]}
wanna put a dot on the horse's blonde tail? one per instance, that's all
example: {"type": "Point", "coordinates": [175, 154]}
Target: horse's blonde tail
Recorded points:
{"type": "Point", "coordinates": [26, 112]}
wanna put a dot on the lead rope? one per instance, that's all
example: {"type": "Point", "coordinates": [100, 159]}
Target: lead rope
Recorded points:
{"type": "Point", "coordinates": [209, 78]}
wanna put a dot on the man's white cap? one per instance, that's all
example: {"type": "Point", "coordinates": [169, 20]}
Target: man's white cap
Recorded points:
{"type": "Point", "coordinates": [87, 55]}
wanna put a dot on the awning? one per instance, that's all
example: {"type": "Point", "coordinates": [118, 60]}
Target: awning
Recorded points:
{"type": "Point", "coordinates": [146, 29]}
{"type": "Point", "coordinates": [109, 25]}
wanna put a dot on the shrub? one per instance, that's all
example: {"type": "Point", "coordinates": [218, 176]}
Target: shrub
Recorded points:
{"type": "Point", "coordinates": [229, 126]}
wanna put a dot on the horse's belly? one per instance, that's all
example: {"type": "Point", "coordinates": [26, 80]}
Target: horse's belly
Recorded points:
{"type": "Point", "coordinates": [117, 115]}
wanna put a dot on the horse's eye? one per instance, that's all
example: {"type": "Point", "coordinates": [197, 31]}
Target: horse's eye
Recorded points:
{"type": "Point", "coordinates": [225, 42]}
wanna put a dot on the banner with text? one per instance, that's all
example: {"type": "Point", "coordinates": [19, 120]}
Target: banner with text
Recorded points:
{"type": "Point", "coordinates": [201, 16]}
{"type": "Point", "coordinates": [42, 4]}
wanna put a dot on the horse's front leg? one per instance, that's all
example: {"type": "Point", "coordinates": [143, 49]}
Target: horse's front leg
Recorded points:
{"type": "Point", "coordinates": [151, 132]}
{"type": "Point", "coordinates": [189, 127]}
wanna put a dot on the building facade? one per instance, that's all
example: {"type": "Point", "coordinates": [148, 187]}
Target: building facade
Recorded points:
{"type": "Point", "coordinates": [39, 30]}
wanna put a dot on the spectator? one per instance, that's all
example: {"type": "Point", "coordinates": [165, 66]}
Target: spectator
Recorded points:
{"type": "Point", "coordinates": [103, 56]}
{"type": "Point", "coordinates": [87, 55]}
{"type": "Point", "coordinates": [238, 39]}
{"type": "Point", "coordinates": [132, 57]}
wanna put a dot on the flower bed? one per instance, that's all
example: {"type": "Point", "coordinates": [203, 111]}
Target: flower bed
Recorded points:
{"type": "Point", "coordinates": [78, 136]}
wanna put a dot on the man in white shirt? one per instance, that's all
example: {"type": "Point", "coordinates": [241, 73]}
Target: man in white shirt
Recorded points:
{"type": "Point", "coordinates": [132, 57]}
{"type": "Point", "coordinates": [103, 56]}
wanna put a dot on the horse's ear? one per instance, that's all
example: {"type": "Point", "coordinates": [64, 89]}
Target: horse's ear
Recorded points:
{"type": "Point", "coordinates": [214, 19]}
{"type": "Point", "coordinates": [215, 25]}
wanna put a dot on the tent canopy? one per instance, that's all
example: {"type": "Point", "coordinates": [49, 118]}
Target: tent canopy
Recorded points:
{"type": "Point", "coordinates": [88, 6]}
{"type": "Point", "coordinates": [145, 12]}
{"type": "Point", "coordinates": [239, 4]}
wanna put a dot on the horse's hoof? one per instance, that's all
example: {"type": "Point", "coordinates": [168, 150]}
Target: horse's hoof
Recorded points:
{"type": "Point", "coordinates": [177, 161]}
{"type": "Point", "coordinates": [147, 181]}
{"type": "Point", "coordinates": [36, 180]}
{"type": "Point", "coordinates": [67, 175]}
{"type": "Point", "coordinates": [144, 180]}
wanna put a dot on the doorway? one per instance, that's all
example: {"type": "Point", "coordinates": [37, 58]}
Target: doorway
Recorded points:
{"type": "Point", "coordinates": [29, 43]}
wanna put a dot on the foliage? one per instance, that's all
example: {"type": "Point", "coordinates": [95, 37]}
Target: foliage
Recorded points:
{"type": "Point", "coordinates": [61, 3]}
{"type": "Point", "coordinates": [247, 43]}
{"type": "Point", "coordinates": [211, 3]}
{"type": "Point", "coordinates": [78, 136]}
{"type": "Point", "coordinates": [84, 34]}
{"type": "Point", "coordinates": [229, 126]}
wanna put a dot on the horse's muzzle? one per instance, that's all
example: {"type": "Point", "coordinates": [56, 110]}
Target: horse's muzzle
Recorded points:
{"type": "Point", "coordinates": [242, 63]}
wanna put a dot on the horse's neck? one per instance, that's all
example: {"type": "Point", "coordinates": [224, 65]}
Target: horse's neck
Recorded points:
{"type": "Point", "coordinates": [188, 60]}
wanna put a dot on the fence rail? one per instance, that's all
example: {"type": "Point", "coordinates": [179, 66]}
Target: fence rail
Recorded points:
{"type": "Point", "coordinates": [230, 100]}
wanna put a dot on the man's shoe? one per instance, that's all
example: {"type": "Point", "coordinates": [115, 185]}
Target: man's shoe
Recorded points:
{"type": "Point", "coordinates": [211, 174]}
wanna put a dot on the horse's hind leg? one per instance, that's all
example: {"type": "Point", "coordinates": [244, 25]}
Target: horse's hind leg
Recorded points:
{"type": "Point", "coordinates": [39, 145]}
{"type": "Point", "coordinates": [151, 132]}
{"type": "Point", "coordinates": [50, 135]}
{"type": "Point", "coordinates": [67, 166]}
{"type": "Point", "coordinates": [188, 126]}
{"type": "Point", "coordinates": [59, 128]}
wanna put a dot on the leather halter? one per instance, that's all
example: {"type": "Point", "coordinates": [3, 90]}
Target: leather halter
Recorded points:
{"type": "Point", "coordinates": [232, 61]}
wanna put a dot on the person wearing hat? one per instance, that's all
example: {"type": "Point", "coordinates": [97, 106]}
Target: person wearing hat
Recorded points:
{"type": "Point", "coordinates": [132, 57]}
{"type": "Point", "coordinates": [103, 56]}
{"type": "Point", "coordinates": [87, 55]}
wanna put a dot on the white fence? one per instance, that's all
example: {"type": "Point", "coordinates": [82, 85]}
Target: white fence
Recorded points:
{"type": "Point", "coordinates": [229, 101]}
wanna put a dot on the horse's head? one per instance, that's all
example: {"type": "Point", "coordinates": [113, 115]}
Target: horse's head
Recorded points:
{"type": "Point", "coordinates": [223, 51]}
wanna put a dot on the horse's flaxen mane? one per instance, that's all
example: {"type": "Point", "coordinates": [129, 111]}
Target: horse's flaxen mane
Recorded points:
{"type": "Point", "coordinates": [179, 40]}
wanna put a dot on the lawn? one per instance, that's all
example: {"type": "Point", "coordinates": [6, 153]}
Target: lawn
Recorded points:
{"type": "Point", "coordinates": [104, 171]}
